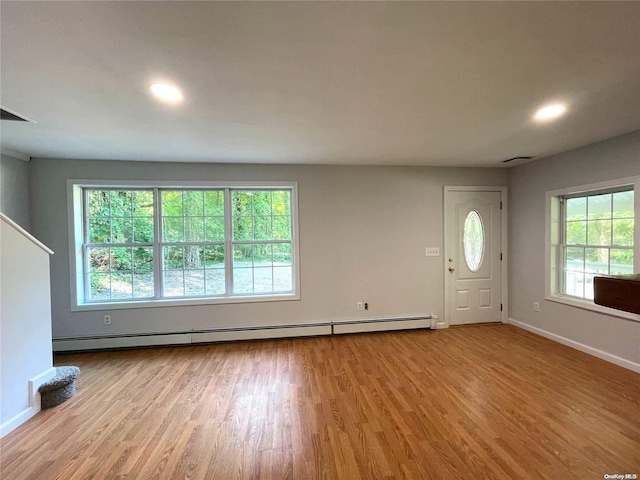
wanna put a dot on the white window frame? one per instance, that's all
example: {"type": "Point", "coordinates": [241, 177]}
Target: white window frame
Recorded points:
{"type": "Point", "coordinates": [75, 214]}
{"type": "Point", "coordinates": [553, 225]}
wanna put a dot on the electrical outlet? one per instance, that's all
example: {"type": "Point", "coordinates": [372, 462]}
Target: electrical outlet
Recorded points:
{"type": "Point", "coordinates": [432, 252]}
{"type": "Point", "coordinates": [359, 306]}
{"type": "Point", "coordinates": [107, 319]}
{"type": "Point", "coordinates": [536, 307]}
{"type": "Point", "coordinates": [366, 306]}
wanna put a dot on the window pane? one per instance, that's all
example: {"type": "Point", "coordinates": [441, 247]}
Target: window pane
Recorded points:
{"type": "Point", "coordinates": [262, 203]}
{"type": "Point", "coordinates": [262, 228]}
{"type": "Point", "coordinates": [174, 283]}
{"type": "Point", "coordinates": [282, 254]}
{"type": "Point", "coordinates": [121, 230]}
{"type": "Point", "coordinates": [281, 228]}
{"type": "Point", "coordinates": [121, 285]}
{"type": "Point", "coordinates": [194, 229]}
{"type": "Point", "coordinates": [574, 259]}
{"type": "Point", "coordinates": [281, 203]}
{"type": "Point", "coordinates": [143, 203]}
{"type": "Point", "coordinates": [143, 229]}
{"type": "Point", "coordinates": [173, 258]}
{"type": "Point", "coordinates": [241, 203]}
{"type": "Point", "coordinates": [193, 203]}
{"type": "Point", "coordinates": [173, 229]}
{"type": "Point", "coordinates": [214, 203]}
{"type": "Point", "coordinates": [99, 230]}
{"type": "Point", "coordinates": [576, 208]}
{"type": "Point", "coordinates": [263, 279]}
{"type": "Point", "coordinates": [120, 258]}
{"type": "Point", "coordinates": [214, 257]}
{"type": "Point", "coordinates": [121, 203]}
{"type": "Point", "coordinates": [623, 232]}
{"type": "Point", "coordinates": [621, 261]}
{"type": "Point", "coordinates": [118, 219]}
{"type": "Point", "coordinates": [214, 227]}
{"type": "Point", "coordinates": [193, 257]}
{"type": "Point", "coordinates": [588, 286]}
{"type": "Point", "coordinates": [282, 279]}
{"type": "Point", "coordinates": [242, 280]}
{"type": "Point", "coordinates": [214, 282]}
{"type": "Point", "coordinates": [98, 203]}
{"type": "Point", "coordinates": [599, 206]}
{"type": "Point", "coordinates": [262, 255]}
{"type": "Point", "coordinates": [242, 256]}
{"type": "Point", "coordinates": [98, 259]}
{"type": "Point", "coordinates": [623, 204]}
{"type": "Point", "coordinates": [574, 284]}
{"type": "Point", "coordinates": [194, 283]}
{"type": "Point", "coordinates": [172, 204]}
{"type": "Point", "coordinates": [599, 232]}
{"type": "Point", "coordinates": [99, 286]}
{"type": "Point", "coordinates": [597, 260]}
{"type": "Point", "coordinates": [143, 259]}
{"type": "Point", "coordinates": [243, 228]}
{"type": "Point", "coordinates": [473, 240]}
{"type": "Point", "coordinates": [143, 284]}
{"type": "Point", "coordinates": [576, 233]}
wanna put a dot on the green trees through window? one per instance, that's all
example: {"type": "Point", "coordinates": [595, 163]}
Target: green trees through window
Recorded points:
{"type": "Point", "coordinates": [170, 243]}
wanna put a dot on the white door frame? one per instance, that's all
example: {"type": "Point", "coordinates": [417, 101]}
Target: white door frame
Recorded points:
{"type": "Point", "coordinates": [504, 249]}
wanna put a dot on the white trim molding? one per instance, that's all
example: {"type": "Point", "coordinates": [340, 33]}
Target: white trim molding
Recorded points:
{"type": "Point", "coordinates": [26, 234]}
{"type": "Point", "coordinates": [504, 248]}
{"type": "Point", "coordinates": [76, 221]}
{"type": "Point", "coordinates": [609, 357]}
{"type": "Point", "coordinates": [136, 340]}
{"type": "Point", "coordinates": [553, 224]}
{"type": "Point", "coordinates": [34, 403]}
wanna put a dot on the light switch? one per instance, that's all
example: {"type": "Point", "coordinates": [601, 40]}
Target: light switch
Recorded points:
{"type": "Point", "coordinates": [432, 252]}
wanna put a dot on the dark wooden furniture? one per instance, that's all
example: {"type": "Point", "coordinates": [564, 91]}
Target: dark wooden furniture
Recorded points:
{"type": "Point", "coordinates": [621, 292]}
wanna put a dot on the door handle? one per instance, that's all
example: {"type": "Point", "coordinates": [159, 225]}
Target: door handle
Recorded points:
{"type": "Point", "coordinates": [451, 269]}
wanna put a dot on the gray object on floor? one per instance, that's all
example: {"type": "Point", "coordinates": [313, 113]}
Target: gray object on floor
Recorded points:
{"type": "Point", "coordinates": [60, 388]}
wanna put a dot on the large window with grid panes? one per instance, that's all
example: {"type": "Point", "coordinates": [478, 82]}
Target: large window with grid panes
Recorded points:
{"type": "Point", "coordinates": [597, 238]}
{"type": "Point", "coordinates": [142, 244]}
{"type": "Point", "coordinates": [592, 231]}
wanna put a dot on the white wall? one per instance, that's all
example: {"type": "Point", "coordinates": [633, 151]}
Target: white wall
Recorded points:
{"type": "Point", "coordinates": [25, 324]}
{"type": "Point", "coordinates": [608, 336]}
{"type": "Point", "coordinates": [363, 231]}
{"type": "Point", "coordinates": [14, 190]}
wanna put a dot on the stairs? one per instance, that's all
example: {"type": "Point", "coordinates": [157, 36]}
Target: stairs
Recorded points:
{"type": "Point", "coordinates": [60, 388]}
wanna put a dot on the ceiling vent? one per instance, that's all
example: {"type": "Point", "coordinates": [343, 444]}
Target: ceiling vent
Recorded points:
{"type": "Point", "coordinates": [516, 158]}
{"type": "Point", "coordinates": [6, 114]}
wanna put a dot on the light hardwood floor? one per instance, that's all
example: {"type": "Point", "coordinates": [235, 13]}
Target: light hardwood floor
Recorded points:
{"type": "Point", "coordinates": [481, 402]}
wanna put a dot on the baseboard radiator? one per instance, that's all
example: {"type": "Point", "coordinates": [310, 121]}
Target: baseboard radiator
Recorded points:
{"type": "Point", "coordinates": [107, 342]}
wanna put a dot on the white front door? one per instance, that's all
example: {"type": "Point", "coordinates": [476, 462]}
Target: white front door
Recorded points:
{"type": "Point", "coordinates": [473, 290]}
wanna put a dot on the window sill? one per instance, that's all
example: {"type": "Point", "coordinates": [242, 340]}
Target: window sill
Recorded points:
{"type": "Point", "coordinates": [186, 302]}
{"type": "Point", "coordinates": [589, 305]}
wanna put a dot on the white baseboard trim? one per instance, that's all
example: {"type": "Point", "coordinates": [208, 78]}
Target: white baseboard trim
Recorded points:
{"type": "Point", "coordinates": [71, 344]}
{"type": "Point", "coordinates": [383, 325]}
{"type": "Point", "coordinates": [17, 420]}
{"type": "Point", "coordinates": [34, 403]}
{"type": "Point", "coordinates": [609, 357]}
{"type": "Point", "coordinates": [187, 338]}
{"type": "Point", "coordinates": [261, 334]}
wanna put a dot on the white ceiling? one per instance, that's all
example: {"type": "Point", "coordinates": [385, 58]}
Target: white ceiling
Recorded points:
{"type": "Point", "coordinates": [398, 83]}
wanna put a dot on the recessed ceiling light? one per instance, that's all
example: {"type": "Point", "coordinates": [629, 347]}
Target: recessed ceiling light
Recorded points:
{"type": "Point", "coordinates": [166, 93]}
{"type": "Point", "coordinates": [550, 112]}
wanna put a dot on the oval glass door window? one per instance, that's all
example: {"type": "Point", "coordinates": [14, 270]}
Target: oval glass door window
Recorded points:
{"type": "Point", "coordinates": [473, 240]}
